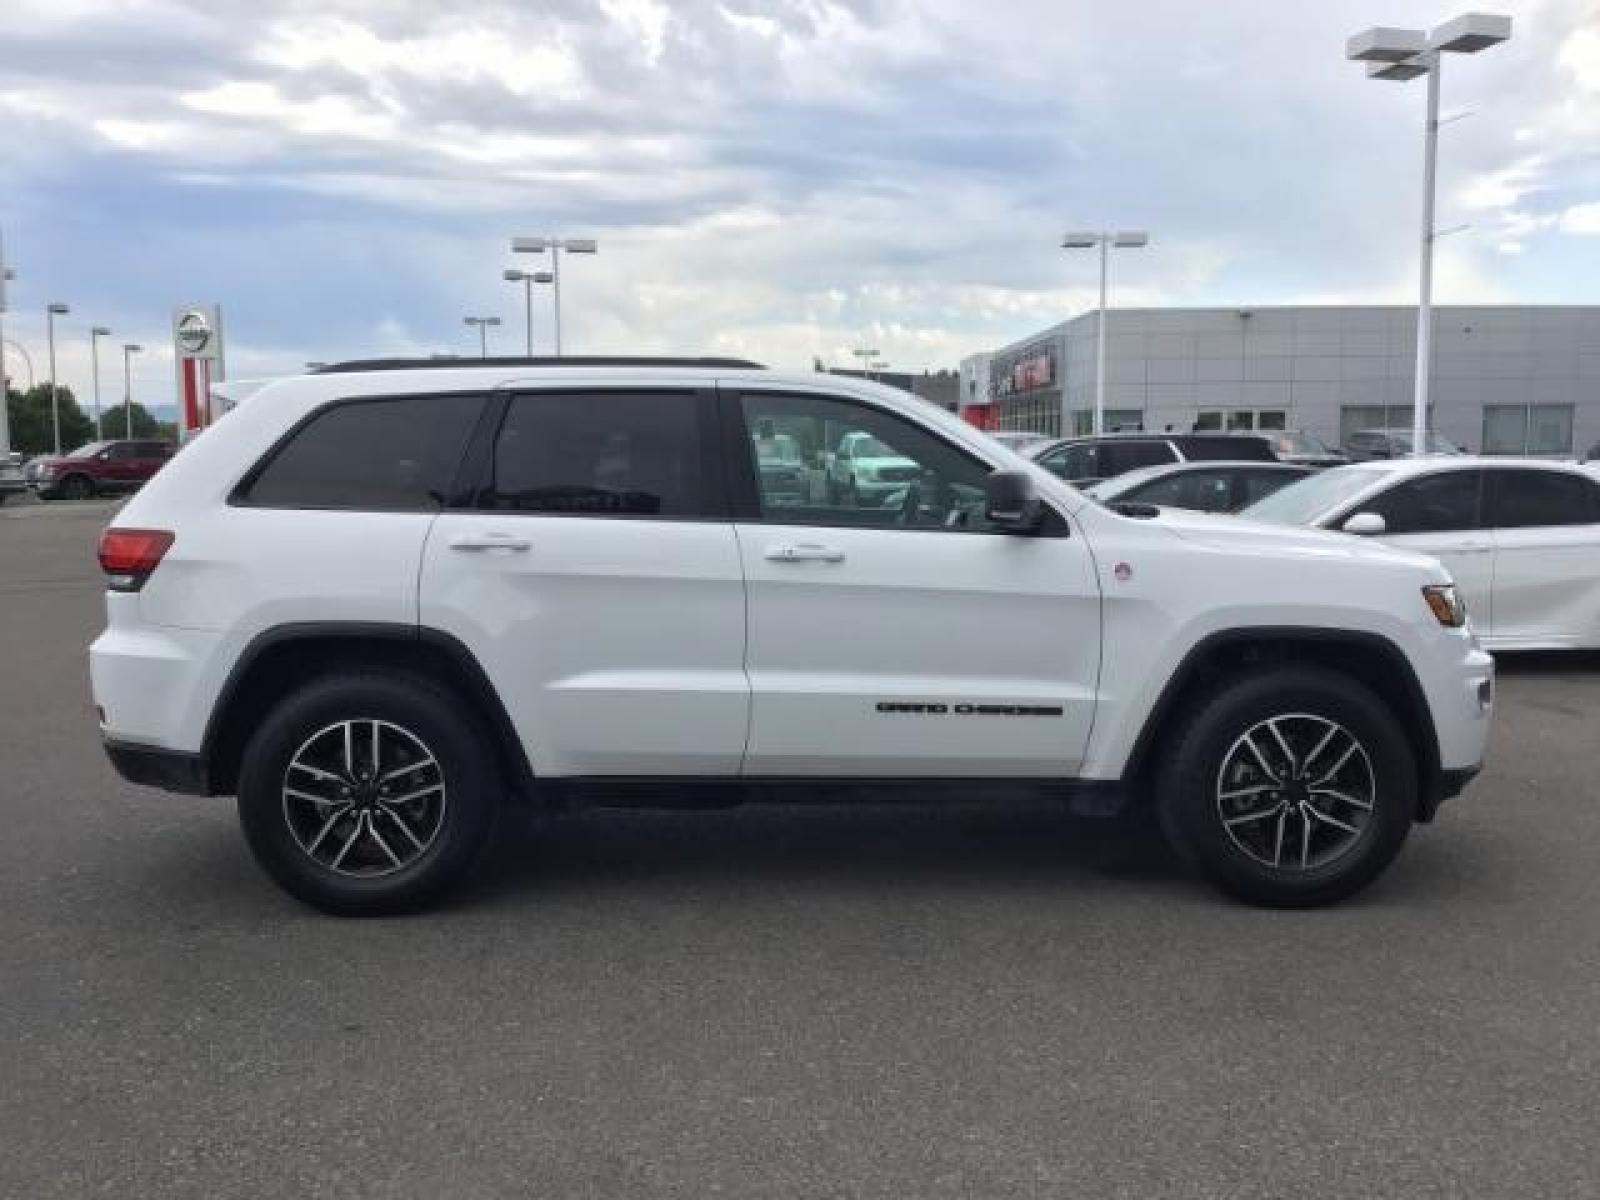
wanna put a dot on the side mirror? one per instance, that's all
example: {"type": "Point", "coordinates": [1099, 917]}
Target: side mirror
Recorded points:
{"type": "Point", "coordinates": [1368, 524]}
{"type": "Point", "coordinates": [1010, 502]}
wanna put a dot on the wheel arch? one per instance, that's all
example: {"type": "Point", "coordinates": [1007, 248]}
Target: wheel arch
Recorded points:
{"type": "Point", "coordinates": [282, 658]}
{"type": "Point", "coordinates": [1368, 658]}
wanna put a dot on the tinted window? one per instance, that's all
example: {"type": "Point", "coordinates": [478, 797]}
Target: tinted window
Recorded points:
{"type": "Point", "coordinates": [1521, 499]}
{"type": "Point", "coordinates": [122, 451]}
{"type": "Point", "coordinates": [1222, 449]}
{"type": "Point", "coordinates": [395, 454]}
{"type": "Point", "coordinates": [1432, 504]}
{"type": "Point", "coordinates": [901, 475]}
{"type": "Point", "coordinates": [1121, 457]}
{"type": "Point", "coordinates": [605, 454]}
{"type": "Point", "coordinates": [1206, 491]}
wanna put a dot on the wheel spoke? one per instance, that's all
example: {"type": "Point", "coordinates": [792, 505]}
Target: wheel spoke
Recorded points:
{"type": "Point", "coordinates": [375, 727]}
{"type": "Point", "coordinates": [1327, 820]}
{"type": "Point", "coordinates": [416, 795]}
{"type": "Point", "coordinates": [1258, 815]}
{"type": "Point", "coordinates": [1277, 841]}
{"type": "Point", "coordinates": [355, 834]}
{"type": "Point", "coordinates": [1338, 766]}
{"type": "Point", "coordinates": [314, 772]}
{"type": "Point", "coordinates": [1305, 763]}
{"type": "Point", "coordinates": [1305, 841]}
{"type": "Point", "coordinates": [372, 828]}
{"type": "Point", "coordinates": [1344, 798]}
{"type": "Point", "coordinates": [314, 799]}
{"type": "Point", "coordinates": [408, 768]}
{"type": "Point", "coordinates": [404, 828]}
{"type": "Point", "coordinates": [1254, 789]}
{"type": "Point", "coordinates": [323, 832]}
{"type": "Point", "coordinates": [1249, 740]}
{"type": "Point", "coordinates": [1283, 745]}
{"type": "Point", "coordinates": [350, 749]}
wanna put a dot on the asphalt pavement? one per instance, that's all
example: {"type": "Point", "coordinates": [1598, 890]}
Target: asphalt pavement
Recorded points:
{"type": "Point", "coordinates": [897, 1001]}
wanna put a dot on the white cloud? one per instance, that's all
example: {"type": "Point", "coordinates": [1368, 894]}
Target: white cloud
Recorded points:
{"type": "Point", "coordinates": [1582, 219]}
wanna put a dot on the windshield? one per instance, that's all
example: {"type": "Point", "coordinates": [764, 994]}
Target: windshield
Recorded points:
{"type": "Point", "coordinates": [89, 451]}
{"type": "Point", "coordinates": [1302, 502]}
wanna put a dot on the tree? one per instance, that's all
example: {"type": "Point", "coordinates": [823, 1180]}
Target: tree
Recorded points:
{"type": "Point", "coordinates": [32, 431]}
{"type": "Point", "coordinates": [114, 423]}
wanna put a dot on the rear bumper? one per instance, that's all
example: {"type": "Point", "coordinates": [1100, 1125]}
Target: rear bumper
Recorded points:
{"type": "Point", "coordinates": [151, 766]}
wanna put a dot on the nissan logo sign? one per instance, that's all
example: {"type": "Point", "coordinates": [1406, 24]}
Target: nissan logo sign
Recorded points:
{"type": "Point", "coordinates": [194, 332]}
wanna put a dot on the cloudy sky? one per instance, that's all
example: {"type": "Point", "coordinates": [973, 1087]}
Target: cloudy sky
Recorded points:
{"type": "Point", "coordinates": [772, 178]}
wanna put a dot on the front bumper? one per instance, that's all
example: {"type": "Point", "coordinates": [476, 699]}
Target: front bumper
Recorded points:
{"type": "Point", "coordinates": [152, 766]}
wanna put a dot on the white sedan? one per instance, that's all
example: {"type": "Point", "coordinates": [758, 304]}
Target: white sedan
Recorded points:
{"type": "Point", "coordinates": [1520, 536]}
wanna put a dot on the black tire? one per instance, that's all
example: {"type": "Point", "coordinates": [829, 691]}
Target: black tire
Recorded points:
{"type": "Point", "coordinates": [77, 487]}
{"type": "Point", "coordinates": [1192, 793]}
{"type": "Point", "coordinates": [453, 837]}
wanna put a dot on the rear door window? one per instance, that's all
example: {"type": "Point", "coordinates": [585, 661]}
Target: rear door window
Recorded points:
{"type": "Point", "coordinates": [1122, 457]}
{"type": "Point", "coordinates": [389, 454]}
{"type": "Point", "coordinates": [1522, 499]}
{"type": "Point", "coordinates": [602, 454]}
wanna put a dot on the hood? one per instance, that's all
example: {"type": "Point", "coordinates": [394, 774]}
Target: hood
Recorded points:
{"type": "Point", "coordinates": [1238, 534]}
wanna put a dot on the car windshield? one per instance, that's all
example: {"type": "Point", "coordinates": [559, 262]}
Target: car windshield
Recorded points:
{"type": "Point", "coordinates": [89, 450]}
{"type": "Point", "coordinates": [1302, 502]}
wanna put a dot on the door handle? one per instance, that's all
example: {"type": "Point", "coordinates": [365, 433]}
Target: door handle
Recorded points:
{"type": "Point", "coordinates": [1475, 548]}
{"type": "Point", "coordinates": [804, 552]}
{"type": "Point", "coordinates": [473, 542]}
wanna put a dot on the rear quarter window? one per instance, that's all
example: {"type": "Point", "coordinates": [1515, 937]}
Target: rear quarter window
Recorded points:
{"type": "Point", "coordinates": [388, 454]}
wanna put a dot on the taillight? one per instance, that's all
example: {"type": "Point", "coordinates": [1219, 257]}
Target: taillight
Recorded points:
{"type": "Point", "coordinates": [127, 556]}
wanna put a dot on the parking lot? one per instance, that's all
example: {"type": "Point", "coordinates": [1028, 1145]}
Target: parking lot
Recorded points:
{"type": "Point", "coordinates": [893, 1001]}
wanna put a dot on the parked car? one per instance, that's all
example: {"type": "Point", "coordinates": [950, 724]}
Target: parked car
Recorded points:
{"type": "Point", "coordinates": [1304, 448]}
{"type": "Point", "coordinates": [784, 475]}
{"type": "Point", "coordinates": [98, 468]}
{"type": "Point", "coordinates": [1019, 440]}
{"type": "Point", "coordinates": [1364, 445]}
{"type": "Point", "coordinates": [12, 480]}
{"type": "Point", "coordinates": [387, 598]}
{"type": "Point", "coordinates": [1217, 487]}
{"type": "Point", "coordinates": [863, 469]}
{"type": "Point", "coordinates": [1521, 537]}
{"type": "Point", "coordinates": [1085, 460]}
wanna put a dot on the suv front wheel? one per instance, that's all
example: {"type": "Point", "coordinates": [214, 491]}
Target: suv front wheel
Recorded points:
{"type": "Point", "coordinates": [1289, 788]}
{"type": "Point", "coordinates": [368, 793]}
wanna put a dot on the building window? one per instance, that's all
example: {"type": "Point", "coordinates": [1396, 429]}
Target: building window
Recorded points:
{"type": "Point", "coordinates": [1527, 429]}
{"type": "Point", "coordinates": [1354, 417]}
{"type": "Point", "coordinates": [1118, 420]}
{"type": "Point", "coordinates": [1240, 419]}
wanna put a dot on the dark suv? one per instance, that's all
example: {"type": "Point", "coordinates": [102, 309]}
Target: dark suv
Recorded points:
{"type": "Point", "coordinates": [99, 467]}
{"type": "Point", "coordinates": [1086, 460]}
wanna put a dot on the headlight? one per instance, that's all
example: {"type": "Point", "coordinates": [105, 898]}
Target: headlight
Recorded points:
{"type": "Point", "coordinates": [1446, 604]}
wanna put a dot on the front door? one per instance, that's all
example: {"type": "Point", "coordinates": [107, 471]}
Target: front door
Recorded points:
{"type": "Point", "coordinates": [1441, 514]}
{"type": "Point", "coordinates": [595, 576]}
{"type": "Point", "coordinates": [891, 631]}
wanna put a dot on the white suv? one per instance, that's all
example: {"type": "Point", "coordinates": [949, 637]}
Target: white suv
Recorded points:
{"type": "Point", "coordinates": [379, 602]}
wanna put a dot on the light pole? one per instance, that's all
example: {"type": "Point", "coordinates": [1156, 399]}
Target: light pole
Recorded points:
{"type": "Point", "coordinates": [527, 279]}
{"type": "Point", "coordinates": [51, 312]}
{"type": "Point", "coordinates": [6, 276]}
{"type": "Point", "coordinates": [1126, 239]}
{"type": "Point", "coordinates": [483, 324]}
{"type": "Point", "coordinates": [95, 334]}
{"type": "Point", "coordinates": [538, 245]}
{"type": "Point", "coordinates": [27, 359]}
{"type": "Point", "coordinates": [866, 355]}
{"type": "Point", "coordinates": [1398, 55]}
{"type": "Point", "coordinates": [128, 349]}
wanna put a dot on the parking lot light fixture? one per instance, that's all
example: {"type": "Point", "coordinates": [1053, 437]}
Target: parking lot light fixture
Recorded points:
{"type": "Point", "coordinates": [1125, 239]}
{"type": "Point", "coordinates": [538, 245]}
{"type": "Point", "coordinates": [53, 310]}
{"type": "Point", "coordinates": [1397, 55]}
{"type": "Point", "coordinates": [482, 324]}
{"type": "Point", "coordinates": [527, 279]}
{"type": "Point", "coordinates": [95, 334]}
{"type": "Point", "coordinates": [129, 349]}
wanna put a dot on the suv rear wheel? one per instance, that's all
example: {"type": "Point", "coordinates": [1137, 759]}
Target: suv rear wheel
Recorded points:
{"type": "Point", "coordinates": [368, 794]}
{"type": "Point", "coordinates": [1290, 788]}
{"type": "Point", "coordinates": [77, 487]}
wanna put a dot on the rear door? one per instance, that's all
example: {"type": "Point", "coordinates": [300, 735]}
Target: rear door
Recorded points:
{"type": "Point", "coordinates": [592, 570]}
{"type": "Point", "coordinates": [1546, 530]}
{"type": "Point", "coordinates": [902, 635]}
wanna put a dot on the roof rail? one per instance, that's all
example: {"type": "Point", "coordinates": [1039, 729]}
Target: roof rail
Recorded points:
{"type": "Point", "coordinates": [454, 363]}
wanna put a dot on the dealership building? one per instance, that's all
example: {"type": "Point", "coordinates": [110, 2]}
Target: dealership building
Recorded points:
{"type": "Point", "coordinates": [1506, 379]}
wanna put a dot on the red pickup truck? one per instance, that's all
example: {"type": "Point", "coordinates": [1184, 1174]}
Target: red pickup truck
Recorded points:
{"type": "Point", "coordinates": [99, 467]}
